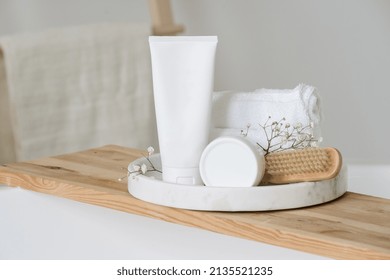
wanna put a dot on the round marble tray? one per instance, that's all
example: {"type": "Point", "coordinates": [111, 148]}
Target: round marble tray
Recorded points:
{"type": "Point", "coordinates": [151, 188]}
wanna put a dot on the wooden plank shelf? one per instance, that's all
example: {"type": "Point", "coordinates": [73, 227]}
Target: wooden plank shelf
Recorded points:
{"type": "Point", "coordinates": [354, 226]}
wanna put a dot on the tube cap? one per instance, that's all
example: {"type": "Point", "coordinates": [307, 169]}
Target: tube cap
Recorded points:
{"type": "Point", "coordinates": [183, 176]}
{"type": "Point", "coordinates": [231, 162]}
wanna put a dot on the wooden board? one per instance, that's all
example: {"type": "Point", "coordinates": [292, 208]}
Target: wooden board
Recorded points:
{"type": "Point", "coordinates": [352, 227]}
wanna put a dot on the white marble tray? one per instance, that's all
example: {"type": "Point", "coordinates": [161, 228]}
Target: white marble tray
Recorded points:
{"type": "Point", "coordinates": [151, 188]}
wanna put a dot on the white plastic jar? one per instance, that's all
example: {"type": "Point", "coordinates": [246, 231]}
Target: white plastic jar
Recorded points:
{"type": "Point", "coordinates": [231, 162]}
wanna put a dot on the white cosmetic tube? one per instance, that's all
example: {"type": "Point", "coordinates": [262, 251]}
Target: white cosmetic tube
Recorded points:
{"type": "Point", "coordinates": [183, 81]}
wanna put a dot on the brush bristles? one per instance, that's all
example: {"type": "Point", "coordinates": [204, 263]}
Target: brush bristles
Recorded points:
{"type": "Point", "coordinates": [302, 165]}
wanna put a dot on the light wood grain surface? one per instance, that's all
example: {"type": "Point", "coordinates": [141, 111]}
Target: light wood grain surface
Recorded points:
{"type": "Point", "coordinates": [354, 226]}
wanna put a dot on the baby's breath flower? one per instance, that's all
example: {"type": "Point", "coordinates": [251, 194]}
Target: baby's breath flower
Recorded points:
{"type": "Point", "coordinates": [298, 125]}
{"type": "Point", "coordinates": [144, 168]}
{"type": "Point", "coordinates": [136, 168]}
{"type": "Point", "coordinates": [150, 150]}
{"type": "Point", "coordinates": [279, 137]}
{"type": "Point", "coordinates": [313, 144]}
{"type": "Point", "coordinates": [245, 132]}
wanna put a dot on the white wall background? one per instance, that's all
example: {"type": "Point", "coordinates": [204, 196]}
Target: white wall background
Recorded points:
{"type": "Point", "coordinates": [341, 47]}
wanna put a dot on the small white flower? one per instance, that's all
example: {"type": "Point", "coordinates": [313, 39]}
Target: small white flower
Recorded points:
{"type": "Point", "coordinates": [320, 139]}
{"type": "Point", "coordinates": [144, 168]}
{"type": "Point", "coordinates": [150, 150]}
{"type": "Point", "coordinates": [298, 125]}
{"type": "Point", "coordinates": [287, 125]}
{"type": "Point", "coordinates": [312, 124]}
{"type": "Point", "coordinates": [136, 168]}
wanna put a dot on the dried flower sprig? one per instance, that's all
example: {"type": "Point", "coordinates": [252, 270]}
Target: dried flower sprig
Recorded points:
{"type": "Point", "coordinates": [281, 135]}
{"type": "Point", "coordinates": [143, 168]}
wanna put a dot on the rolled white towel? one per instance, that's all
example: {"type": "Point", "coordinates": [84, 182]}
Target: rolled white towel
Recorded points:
{"type": "Point", "coordinates": [233, 112]}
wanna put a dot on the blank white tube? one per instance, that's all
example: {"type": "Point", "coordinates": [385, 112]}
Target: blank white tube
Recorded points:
{"type": "Point", "coordinates": [183, 81]}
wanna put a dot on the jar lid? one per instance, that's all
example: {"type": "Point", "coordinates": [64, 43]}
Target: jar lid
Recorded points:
{"type": "Point", "coordinates": [231, 162]}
